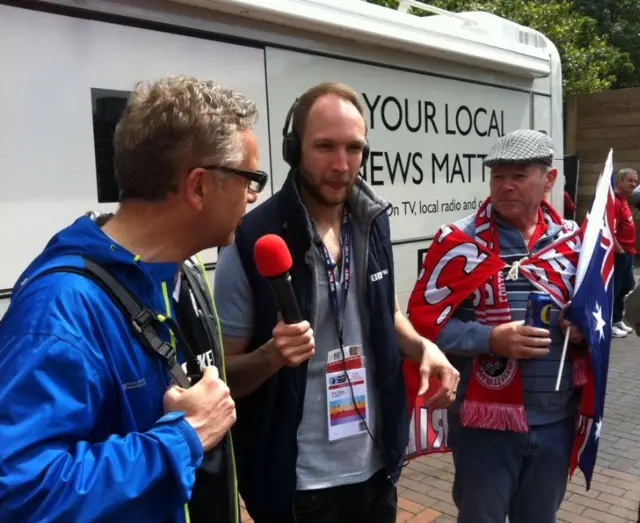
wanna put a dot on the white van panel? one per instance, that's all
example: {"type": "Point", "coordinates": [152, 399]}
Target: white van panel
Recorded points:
{"type": "Point", "coordinates": [542, 121]}
{"type": "Point", "coordinates": [4, 305]}
{"type": "Point", "coordinates": [48, 159]}
{"type": "Point", "coordinates": [542, 113]}
{"type": "Point", "coordinates": [427, 161]}
{"type": "Point", "coordinates": [49, 133]}
{"type": "Point", "coordinates": [408, 259]}
{"type": "Point", "coordinates": [264, 33]}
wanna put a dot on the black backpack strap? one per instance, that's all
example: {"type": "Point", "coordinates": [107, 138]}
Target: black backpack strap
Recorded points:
{"type": "Point", "coordinates": [142, 319]}
{"type": "Point", "coordinates": [203, 303]}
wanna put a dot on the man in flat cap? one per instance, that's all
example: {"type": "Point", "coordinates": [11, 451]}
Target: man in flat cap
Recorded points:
{"type": "Point", "coordinates": [512, 435]}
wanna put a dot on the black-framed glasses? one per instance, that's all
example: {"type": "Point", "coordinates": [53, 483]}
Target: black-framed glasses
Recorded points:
{"type": "Point", "coordinates": [258, 179]}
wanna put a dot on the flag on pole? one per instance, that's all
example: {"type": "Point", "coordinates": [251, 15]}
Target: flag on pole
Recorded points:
{"type": "Point", "coordinates": [591, 313]}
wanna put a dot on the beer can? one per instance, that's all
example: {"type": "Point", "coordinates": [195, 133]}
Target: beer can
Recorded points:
{"type": "Point", "coordinates": [538, 310]}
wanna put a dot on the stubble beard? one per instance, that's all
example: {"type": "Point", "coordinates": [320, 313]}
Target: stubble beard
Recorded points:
{"type": "Point", "coordinates": [315, 192]}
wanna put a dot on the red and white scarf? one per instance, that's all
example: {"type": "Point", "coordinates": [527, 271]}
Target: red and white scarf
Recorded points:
{"type": "Point", "coordinates": [457, 264]}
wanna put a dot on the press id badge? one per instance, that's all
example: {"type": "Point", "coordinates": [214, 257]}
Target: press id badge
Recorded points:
{"type": "Point", "coordinates": [343, 417]}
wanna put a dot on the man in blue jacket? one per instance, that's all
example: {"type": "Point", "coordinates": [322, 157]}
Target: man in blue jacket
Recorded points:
{"type": "Point", "coordinates": [91, 428]}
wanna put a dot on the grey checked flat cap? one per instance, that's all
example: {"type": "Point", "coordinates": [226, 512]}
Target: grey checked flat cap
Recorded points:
{"type": "Point", "coordinates": [521, 146]}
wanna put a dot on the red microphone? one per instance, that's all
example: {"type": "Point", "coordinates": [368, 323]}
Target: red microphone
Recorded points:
{"type": "Point", "coordinates": [273, 261]}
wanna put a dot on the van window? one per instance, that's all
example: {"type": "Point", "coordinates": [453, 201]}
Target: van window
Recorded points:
{"type": "Point", "coordinates": [107, 108]}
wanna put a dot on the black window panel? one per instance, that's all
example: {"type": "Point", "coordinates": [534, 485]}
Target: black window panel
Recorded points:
{"type": "Point", "coordinates": [107, 108]}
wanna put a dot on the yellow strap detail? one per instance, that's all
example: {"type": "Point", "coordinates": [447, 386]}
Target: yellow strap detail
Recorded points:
{"type": "Point", "coordinates": [236, 511]}
{"type": "Point", "coordinates": [167, 306]}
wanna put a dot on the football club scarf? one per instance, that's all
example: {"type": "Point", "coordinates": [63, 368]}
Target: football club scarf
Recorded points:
{"type": "Point", "coordinates": [457, 265]}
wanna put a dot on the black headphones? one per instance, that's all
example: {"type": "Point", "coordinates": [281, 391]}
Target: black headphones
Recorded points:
{"type": "Point", "coordinates": [291, 142]}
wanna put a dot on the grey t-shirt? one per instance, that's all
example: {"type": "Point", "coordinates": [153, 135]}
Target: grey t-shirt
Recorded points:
{"type": "Point", "coordinates": [321, 463]}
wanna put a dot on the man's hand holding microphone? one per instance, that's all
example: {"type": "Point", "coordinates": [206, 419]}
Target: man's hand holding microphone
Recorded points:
{"type": "Point", "coordinates": [292, 342]}
{"type": "Point", "coordinates": [208, 405]}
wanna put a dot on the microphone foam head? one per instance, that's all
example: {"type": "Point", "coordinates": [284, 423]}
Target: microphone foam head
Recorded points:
{"type": "Point", "coordinates": [272, 256]}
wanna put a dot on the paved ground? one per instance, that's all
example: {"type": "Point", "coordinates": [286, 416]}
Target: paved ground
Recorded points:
{"type": "Point", "coordinates": [425, 486]}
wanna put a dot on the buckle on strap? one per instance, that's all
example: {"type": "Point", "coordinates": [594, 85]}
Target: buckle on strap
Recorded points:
{"type": "Point", "coordinates": [168, 353]}
{"type": "Point", "coordinates": [143, 320]}
{"type": "Point", "coordinates": [143, 324]}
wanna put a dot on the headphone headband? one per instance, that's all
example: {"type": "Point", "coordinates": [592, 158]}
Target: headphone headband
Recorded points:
{"type": "Point", "coordinates": [289, 118]}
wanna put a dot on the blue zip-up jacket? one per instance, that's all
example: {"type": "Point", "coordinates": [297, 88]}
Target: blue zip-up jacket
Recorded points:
{"type": "Point", "coordinates": [83, 431]}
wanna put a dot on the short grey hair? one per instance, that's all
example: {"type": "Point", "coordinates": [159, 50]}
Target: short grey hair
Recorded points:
{"type": "Point", "coordinates": [544, 167]}
{"type": "Point", "coordinates": [622, 173]}
{"type": "Point", "coordinates": [177, 123]}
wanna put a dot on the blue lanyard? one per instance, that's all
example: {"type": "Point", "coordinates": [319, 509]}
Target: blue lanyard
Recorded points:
{"type": "Point", "coordinates": [345, 240]}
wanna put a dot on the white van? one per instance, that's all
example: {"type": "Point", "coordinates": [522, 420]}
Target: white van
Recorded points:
{"type": "Point", "coordinates": [438, 91]}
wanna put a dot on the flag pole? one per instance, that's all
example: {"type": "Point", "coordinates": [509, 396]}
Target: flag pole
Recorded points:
{"type": "Point", "coordinates": [567, 335]}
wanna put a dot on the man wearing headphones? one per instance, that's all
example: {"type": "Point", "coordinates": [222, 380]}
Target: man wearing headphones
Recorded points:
{"type": "Point", "coordinates": [307, 452]}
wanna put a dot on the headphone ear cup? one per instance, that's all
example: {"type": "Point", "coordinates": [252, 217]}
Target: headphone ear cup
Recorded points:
{"type": "Point", "coordinates": [286, 148]}
{"type": "Point", "coordinates": [365, 155]}
{"type": "Point", "coordinates": [291, 149]}
{"type": "Point", "coordinates": [290, 141]}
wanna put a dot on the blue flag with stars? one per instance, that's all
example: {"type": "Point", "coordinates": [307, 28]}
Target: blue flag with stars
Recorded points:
{"type": "Point", "coordinates": [590, 312]}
